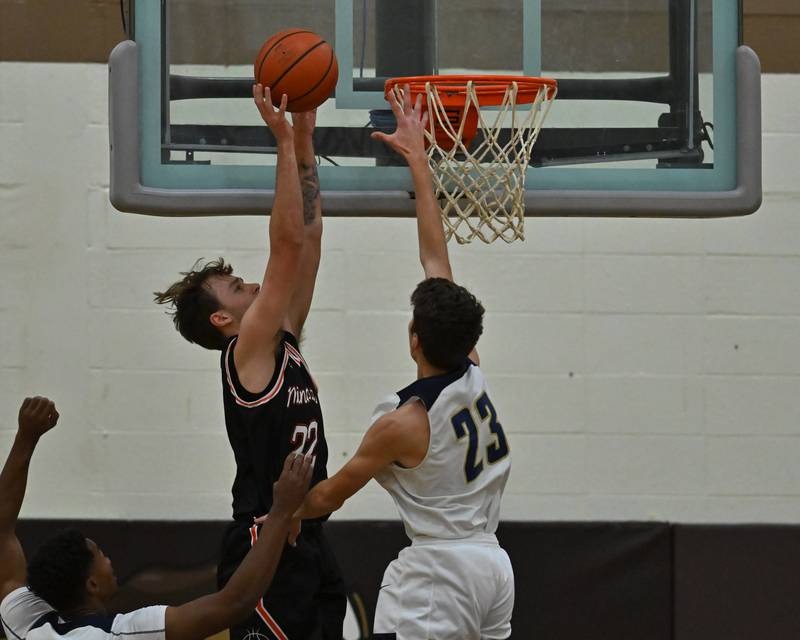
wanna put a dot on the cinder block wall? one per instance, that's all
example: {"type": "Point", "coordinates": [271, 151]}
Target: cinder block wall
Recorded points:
{"type": "Point", "coordinates": [643, 369]}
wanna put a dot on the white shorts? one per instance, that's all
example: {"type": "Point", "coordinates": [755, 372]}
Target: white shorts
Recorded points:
{"type": "Point", "coordinates": [442, 589]}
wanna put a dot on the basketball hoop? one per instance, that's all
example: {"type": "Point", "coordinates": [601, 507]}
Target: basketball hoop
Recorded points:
{"type": "Point", "coordinates": [481, 189]}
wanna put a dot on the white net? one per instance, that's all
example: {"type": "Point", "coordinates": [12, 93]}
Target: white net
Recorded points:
{"type": "Point", "coordinates": [482, 189]}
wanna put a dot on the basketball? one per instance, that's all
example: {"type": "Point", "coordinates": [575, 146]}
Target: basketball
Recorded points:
{"type": "Point", "coordinates": [300, 64]}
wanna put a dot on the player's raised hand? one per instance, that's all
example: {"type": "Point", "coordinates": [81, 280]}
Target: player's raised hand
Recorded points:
{"type": "Point", "coordinates": [409, 137]}
{"type": "Point", "coordinates": [290, 489]}
{"type": "Point", "coordinates": [303, 122]}
{"type": "Point", "coordinates": [275, 119]}
{"type": "Point", "coordinates": [37, 416]}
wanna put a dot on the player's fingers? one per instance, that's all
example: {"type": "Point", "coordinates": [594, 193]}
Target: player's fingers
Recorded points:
{"type": "Point", "coordinates": [39, 406]}
{"type": "Point", "coordinates": [394, 103]}
{"type": "Point", "coordinates": [260, 519]}
{"type": "Point", "coordinates": [307, 469]}
{"type": "Point", "coordinates": [284, 102]}
{"type": "Point", "coordinates": [258, 98]}
{"type": "Point", "coordinates": [418, 105]}
{"type": "Point", "coordinates": [54, 417]}
{"type": "Point", "coordinates": [406, 98]}
{"type": "Point", "coordinates": [424, 119]}
{"type": "Point", "coordinates": [48, 407]}
{"type": "Point", "coordinates": [268, 99]}
{"type": "Point", "coordinates": [379, 136]}
{"type": "Point", "coordinates": [259, 93]}
{"type": "Point", "coordinates": [289, 462]}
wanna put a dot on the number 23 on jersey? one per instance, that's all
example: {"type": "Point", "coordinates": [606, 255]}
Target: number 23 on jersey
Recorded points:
{"type": "Point", "coordinates": [465, 425]}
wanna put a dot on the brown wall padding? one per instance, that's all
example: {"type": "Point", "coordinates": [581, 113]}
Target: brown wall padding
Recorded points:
{"type": "Point", "coordinates": [138, 547]}
{"type": "Point", "coordinates": [573, 580]}
{"type": "Point", "coordinates": [737, 582]}
{"type": "Point", "coordinates": [582, 581]}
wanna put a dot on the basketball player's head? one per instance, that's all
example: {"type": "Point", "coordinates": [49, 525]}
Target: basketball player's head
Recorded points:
{"type": "Point", "coordinates": [446, 325]}
{"type": "Point", "coordinates": [71, 573]}
{"type": "Point", "coordinates": [208, 303]}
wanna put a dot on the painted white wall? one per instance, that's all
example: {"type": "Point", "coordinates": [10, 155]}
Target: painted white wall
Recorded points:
{"type": "Point", "coordinates": [643, 369]}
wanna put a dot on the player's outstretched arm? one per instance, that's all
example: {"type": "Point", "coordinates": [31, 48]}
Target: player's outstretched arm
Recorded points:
{"type": "Point", "coordinates": [409, 141]}
{"type": "Point", "coordinates": [211, 614]}
{"type": "Point", "coordinates": [36, 417]}
{"type": "Point", "coordinates": [399, 436]}
{"type": "Point", "coordinates": [262, 322]}
{"type": "Point", "coordinates": [303, 124]}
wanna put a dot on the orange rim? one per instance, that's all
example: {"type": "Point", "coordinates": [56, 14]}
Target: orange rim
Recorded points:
{"type": "Point", "coordinates": [489, 88]}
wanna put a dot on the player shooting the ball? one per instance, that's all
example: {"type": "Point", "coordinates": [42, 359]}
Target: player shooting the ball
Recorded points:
{"type": "Point", "coordinates": [271, 402]}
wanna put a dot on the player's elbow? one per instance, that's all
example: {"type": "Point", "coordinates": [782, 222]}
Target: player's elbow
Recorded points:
{"type": "Point", "coordinates": [286, 229]}
{"type": "Point", "coordinates": [327, 501]}
{"type": "Point", "coordinates": [287, 243]}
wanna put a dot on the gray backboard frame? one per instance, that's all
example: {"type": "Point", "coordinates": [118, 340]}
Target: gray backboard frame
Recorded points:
{"type": "Point", "coordinates": [128, 194]}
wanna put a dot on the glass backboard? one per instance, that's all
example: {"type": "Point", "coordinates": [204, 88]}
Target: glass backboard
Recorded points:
{"type": "Point", "coordinates": [658, 108]}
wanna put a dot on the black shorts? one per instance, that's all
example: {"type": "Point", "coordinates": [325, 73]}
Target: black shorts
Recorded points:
{"type": "Point", "coordinates": [307, 598]}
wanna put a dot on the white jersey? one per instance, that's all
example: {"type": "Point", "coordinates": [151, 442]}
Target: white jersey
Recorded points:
{"type": "Point", "coordinates": [455, 491]}
{"type": "Point", "coordinates": [25, 616]}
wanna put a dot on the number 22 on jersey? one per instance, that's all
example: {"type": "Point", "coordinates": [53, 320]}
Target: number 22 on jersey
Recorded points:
{"type": "Point", "coordinates": [304, 438]}
{"type": "Point", "coordinates": [465, 426]}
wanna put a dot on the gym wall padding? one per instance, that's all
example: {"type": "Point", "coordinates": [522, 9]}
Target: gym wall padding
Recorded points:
{"type": "Point", "coordinates": [574, 580]}
{"type": "Point", "coordinates": [737, 582]}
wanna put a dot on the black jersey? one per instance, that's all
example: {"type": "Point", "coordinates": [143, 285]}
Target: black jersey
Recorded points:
{"type": "Point", "coordinates": [263, 428]}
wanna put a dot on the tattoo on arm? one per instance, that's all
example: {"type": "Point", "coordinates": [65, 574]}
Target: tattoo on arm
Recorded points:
{"type": "Point", "coordinates": [309, 180]}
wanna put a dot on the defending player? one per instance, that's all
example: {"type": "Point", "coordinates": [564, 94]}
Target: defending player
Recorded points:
{"type": "Point", "coordinates": [271, 403]}
{"type": "Point", "coordinates": [70, 580]}
{"type": "Point", "coordinates": [438, 448]}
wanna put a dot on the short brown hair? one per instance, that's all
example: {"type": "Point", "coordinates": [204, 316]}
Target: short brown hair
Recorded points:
{"type": "Point", "coordinates": [193, 303]}
{"type": "Point", "coordinates": [448, 321]}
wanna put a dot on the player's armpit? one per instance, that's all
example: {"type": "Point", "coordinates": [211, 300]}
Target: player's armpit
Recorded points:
{"type": "Point", "coordinates": [12, 565]}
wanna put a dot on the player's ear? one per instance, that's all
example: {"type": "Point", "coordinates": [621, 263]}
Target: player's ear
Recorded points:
{"type": "Point", "coordinates": [92, 587]}
{"type": "Point", "coordinates": [220, 319]}
{"type": "Point", "coordinates": [413, 343]}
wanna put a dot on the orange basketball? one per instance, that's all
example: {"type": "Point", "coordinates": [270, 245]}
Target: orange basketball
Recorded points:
{"type": "Point", "coordinates": [300, 64]}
